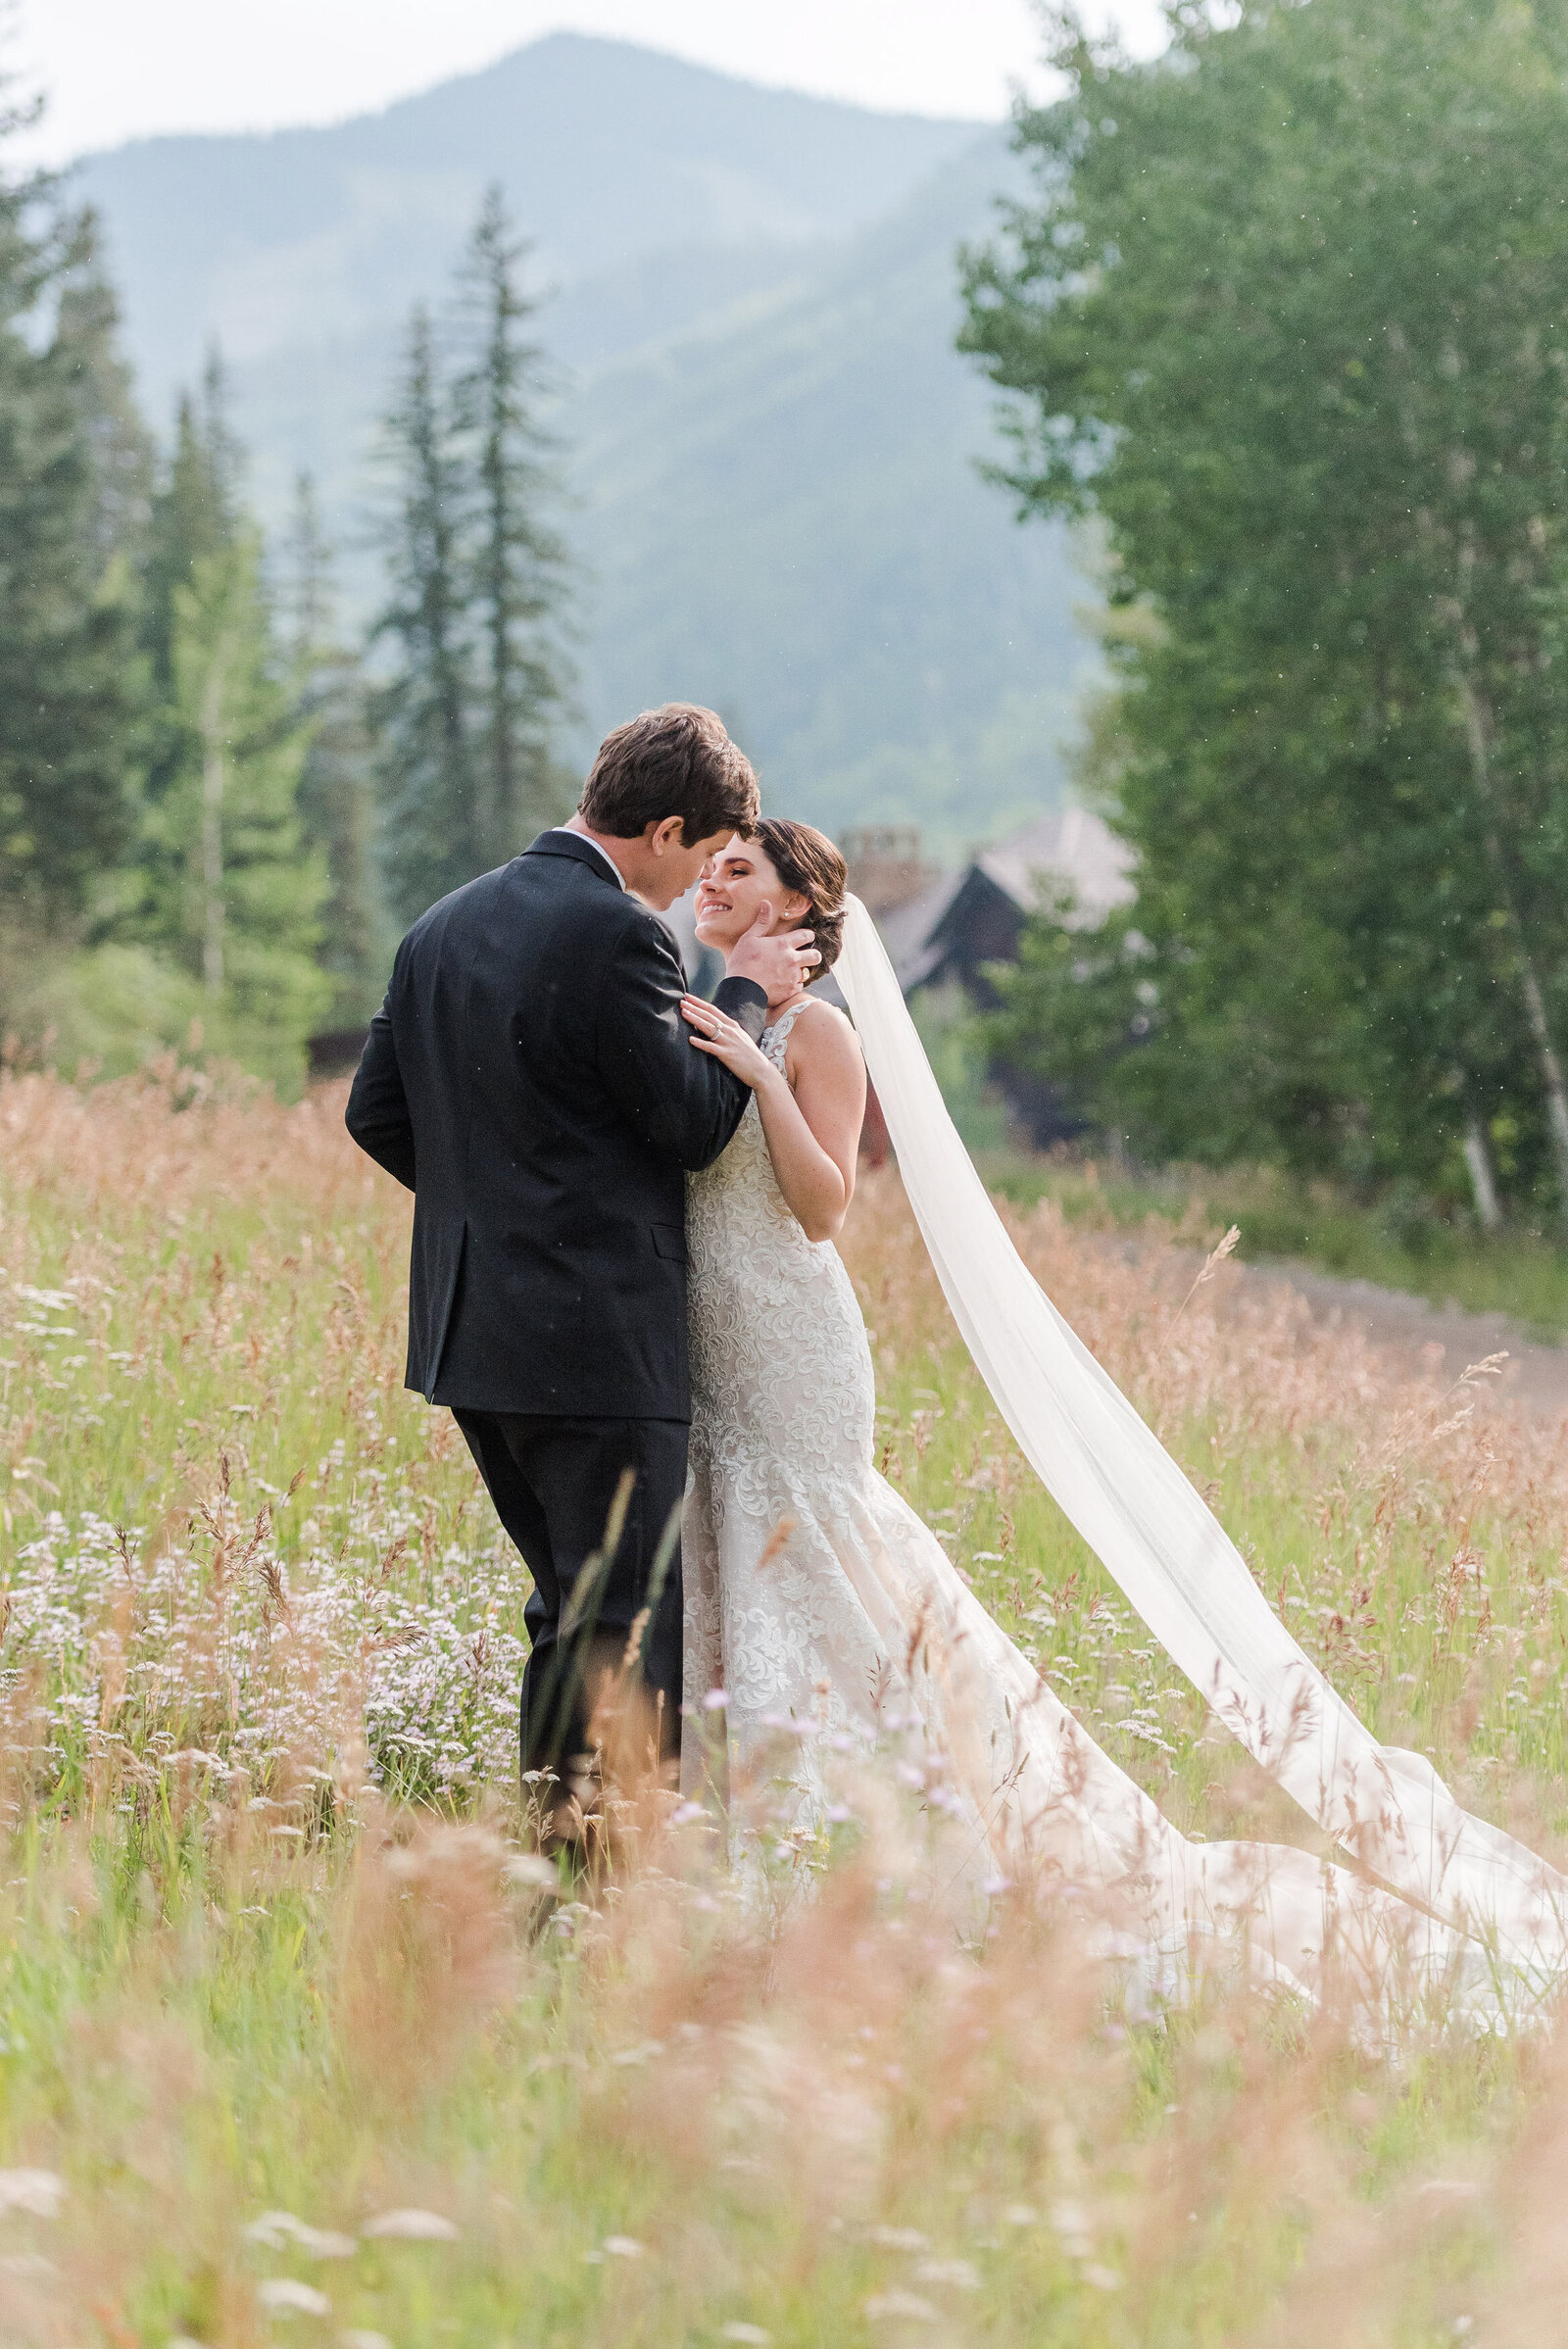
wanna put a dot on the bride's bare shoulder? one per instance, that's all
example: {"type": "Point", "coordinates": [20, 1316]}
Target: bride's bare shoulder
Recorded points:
{"type": "Point", "coordinates": [822, 1038]}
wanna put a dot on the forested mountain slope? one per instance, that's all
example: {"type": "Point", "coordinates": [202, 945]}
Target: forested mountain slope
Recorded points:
{"type": "Point", "coordinates": [772, 440]}
{"type": "Point", "coordinates": [784, 517]}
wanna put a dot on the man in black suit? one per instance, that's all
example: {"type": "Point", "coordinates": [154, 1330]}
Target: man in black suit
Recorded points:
{"type": "Point", "coordinates": [530, 1079]}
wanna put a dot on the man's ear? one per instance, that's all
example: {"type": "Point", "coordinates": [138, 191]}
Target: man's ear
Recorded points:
{"type": "Point", "coordinates": [668, 832]}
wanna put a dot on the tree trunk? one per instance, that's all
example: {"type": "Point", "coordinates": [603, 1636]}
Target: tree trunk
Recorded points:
{"type": "Point", "coordinates": [213, 837]}
{"type": "Point", "coordinates": [1477, 1160]}
{"type": "Point", "coordinates": [212, 778]}
{"type": "Point", "coordinates": [1478, 732]}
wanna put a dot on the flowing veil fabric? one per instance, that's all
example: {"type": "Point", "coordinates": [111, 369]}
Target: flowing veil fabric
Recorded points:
{"type": "Point", "coordinates": [1156, 1537]}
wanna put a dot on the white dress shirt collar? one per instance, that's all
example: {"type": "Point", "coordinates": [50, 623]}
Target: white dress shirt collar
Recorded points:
{"type": "Point", "coordinates": [608, 861]}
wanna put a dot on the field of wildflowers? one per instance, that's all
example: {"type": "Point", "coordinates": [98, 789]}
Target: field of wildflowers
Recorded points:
{"type": "Point", "coordinates": [300, 2041]}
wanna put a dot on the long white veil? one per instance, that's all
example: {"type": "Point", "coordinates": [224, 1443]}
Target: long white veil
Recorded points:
{"type": "Point", "coordinates": [1175, 1564]}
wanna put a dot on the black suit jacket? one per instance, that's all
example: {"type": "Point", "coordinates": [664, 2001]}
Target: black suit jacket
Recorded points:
{"type": "Point", "coordinates": [530, 1079]}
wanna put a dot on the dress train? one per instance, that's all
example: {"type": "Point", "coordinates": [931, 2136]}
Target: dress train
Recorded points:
{"type": "Point", "coordinates": [825, 1610]}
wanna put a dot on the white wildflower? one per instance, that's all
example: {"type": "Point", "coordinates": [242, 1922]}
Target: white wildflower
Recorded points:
{"type": "Point", "coordinates": [38, 2192]}
{"type": "Point", "coordinates": [285, 2296]}
{"type": "Point", "coordinates": [900, 2304]}
{"type": "Point", "coordinates": [961, 2274]}
{"type": "Point", "coordinates": [623, 2246]}
{"type": "Point", "coordinates": [413, 2227]}
{"type": "Point", "coordinates": [1070, 2222]}
{"type": "Point", "coordinates": [532, 1869]}
{"type": "Point", "coordinates": [273, 2229]}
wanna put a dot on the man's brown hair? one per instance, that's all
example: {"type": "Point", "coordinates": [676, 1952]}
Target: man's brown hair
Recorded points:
{"type": "Point", "coordinates": [677, 760]}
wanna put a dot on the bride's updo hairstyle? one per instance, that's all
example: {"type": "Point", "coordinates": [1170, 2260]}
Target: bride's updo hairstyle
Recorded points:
{"type": "Point", "coordinates": [806, 861]}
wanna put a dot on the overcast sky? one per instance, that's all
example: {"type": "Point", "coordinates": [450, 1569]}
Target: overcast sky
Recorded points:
{"type": "Point", "coordinates": [115, 69]}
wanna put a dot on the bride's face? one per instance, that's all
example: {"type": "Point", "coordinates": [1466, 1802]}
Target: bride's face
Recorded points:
{"type": "Point", "coordinates": [733, 885]}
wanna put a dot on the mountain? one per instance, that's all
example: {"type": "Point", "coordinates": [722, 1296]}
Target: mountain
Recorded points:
{"type": "Point", "coordinates": [608, 153]}
{"type": "Point", "coordinates": [772, 442]}
{"type": "Point", "coordinates": [783, 516]}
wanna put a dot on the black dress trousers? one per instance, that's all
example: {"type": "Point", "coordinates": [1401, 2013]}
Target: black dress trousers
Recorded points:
{"type": "Point", "coordinates": [554, 1482]}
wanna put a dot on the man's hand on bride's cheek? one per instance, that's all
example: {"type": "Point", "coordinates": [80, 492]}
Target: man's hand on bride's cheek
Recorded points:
{"type": "Point", "coordinates": [778, 965]}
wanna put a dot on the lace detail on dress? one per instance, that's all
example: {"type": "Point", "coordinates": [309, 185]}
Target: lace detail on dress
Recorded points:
{"type": "Point", "coordinates": [783, 1405]}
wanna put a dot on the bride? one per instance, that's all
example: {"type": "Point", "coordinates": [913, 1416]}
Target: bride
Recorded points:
{"type": "Point", "coordinates": [818, 1602]}
{"type": "Point", "coordinates": [785, 1519]}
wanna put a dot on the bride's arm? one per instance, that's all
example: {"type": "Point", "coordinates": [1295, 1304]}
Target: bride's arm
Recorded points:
{"type": "Point", "coordinates": [812, 1127]}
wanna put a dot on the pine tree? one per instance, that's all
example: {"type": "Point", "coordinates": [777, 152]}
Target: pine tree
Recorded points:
{"type": "Point", "coordinates": [479, 580]}
{"type": "Point", "coordinates": [334, 797]}
{"type": "Point", "coordinates": [192, 518]}
{"type": "Point", "coordinates": [517, 562]}
{"type": "Point", "coordinates": [120, 445]}
{"type": "Point", "coordinates": [195, 514]}
{"type": "Point", "coordinates": [69, 680]}
{"type": "Point", "coordinates": [425, 712]}
{"type": "Point", "coordinates": [231, 888]}
{"type": "Point", "coordinates": [240, 899]}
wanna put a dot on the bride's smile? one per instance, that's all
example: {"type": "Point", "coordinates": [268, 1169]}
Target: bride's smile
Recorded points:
{"type": "Point", "coordinates": [735, 884]}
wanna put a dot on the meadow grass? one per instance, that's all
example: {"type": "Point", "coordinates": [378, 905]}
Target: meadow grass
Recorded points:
{"type": "Point", "coordinates": [1399, 1243]}
{"type": "Point", "coordinates": [298, 2040]}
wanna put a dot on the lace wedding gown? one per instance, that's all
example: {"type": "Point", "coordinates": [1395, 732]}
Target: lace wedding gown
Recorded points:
{"type": "Point", "coordinates": [786, 1522]}
{"type": "Point", "coordinates": [824, 1609]}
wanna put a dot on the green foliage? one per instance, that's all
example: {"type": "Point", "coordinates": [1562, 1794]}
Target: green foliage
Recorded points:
{"type": "Point", "coordinates": [152, 866]}
{"type": "Point", "coordinates": [217, 918]}
{"type": "Point", "coordinates": [516, 565]}
{"type": "Point", "coordinates": [477, 583]}
{"type": "Point", "coordinates": [426, 759]}
{"type": "Point", "coordinates": [70, 477]}
{"type": "Point", "coordinates": [953, 1046]}
{"type": "Point", "coordinates": [1289, 310]}
{"type": "Point", "coordinates": [235, 894]}
{"type": "Point", "coordinates": [99, 1010]}
{"type": "Point", "coordinates": [1401, 1243]}
{"type": "Point", "coordinates": [335, 801]}
{"type": "Point", "coordinates": [195, 514]}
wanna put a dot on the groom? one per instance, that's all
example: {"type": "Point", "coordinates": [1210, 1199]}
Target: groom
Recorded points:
{"type": "Point", "coordinates": [530, 1079]}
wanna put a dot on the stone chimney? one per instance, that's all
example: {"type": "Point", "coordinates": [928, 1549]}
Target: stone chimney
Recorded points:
{"type": "Point", "coordinates": [887, 869]}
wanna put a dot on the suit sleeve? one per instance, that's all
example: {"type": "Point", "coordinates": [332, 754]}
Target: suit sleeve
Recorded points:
{"type": "Point", "coordinates": [684, 1104]}
{"type": "Point", "coordinates": [378, 1114]}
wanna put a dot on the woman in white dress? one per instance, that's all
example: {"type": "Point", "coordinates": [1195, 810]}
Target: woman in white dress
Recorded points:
{"type": "Point", "coordinates": [783, 1518]}
{"type": "Point", "coordinates": [825, 1611]}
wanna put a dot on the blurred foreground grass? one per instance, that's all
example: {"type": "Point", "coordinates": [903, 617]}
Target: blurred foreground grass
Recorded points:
{"type": "Point", "coordinates": [1519, 1273]}
{"type": "Point", "coordinates": [296, 2044]}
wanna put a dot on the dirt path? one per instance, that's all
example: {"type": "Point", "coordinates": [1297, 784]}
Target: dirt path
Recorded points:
{"type": "Point", "coordinates": [1440, 1336]}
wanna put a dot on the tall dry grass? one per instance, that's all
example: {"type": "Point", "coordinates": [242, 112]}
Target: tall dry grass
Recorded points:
{"type": "Point", "coordinates": [293, 2034]}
